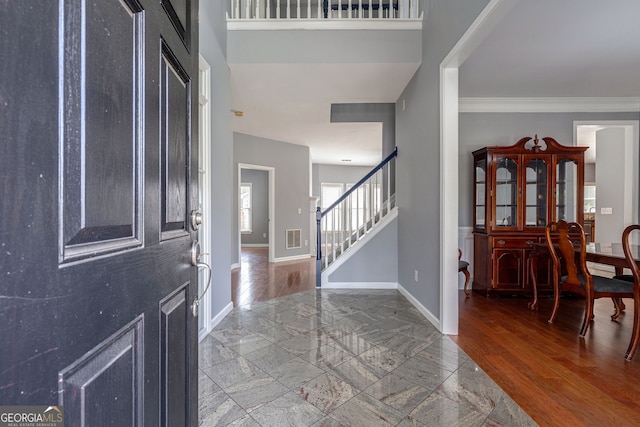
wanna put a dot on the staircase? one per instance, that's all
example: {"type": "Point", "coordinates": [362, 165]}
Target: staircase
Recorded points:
{"type": "Point", "coordinates": [355, 214]}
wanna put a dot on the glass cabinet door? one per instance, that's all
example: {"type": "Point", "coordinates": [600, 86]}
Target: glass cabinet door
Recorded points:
{"type": "Point", "coordinates": [568, 191]}
{"type": "Point", "coordinates": [536, 192]}
{"type": "Point", "coordinates": [480, 179]}
{"type": "Point", "coordinates": [506, 195]}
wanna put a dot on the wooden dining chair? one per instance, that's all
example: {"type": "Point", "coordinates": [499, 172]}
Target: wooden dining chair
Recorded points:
{"type": "Point", "coordinates": [567, 246]}
{"type": "Point", "coordinates": [463, 266]}
{"type": "Point", "coordinates": [635, 273]}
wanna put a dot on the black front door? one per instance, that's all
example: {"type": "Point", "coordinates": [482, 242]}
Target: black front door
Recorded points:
{"type": "Point", "coordinates": [98, 169]}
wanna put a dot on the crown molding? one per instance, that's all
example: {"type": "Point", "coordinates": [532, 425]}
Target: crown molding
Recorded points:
{"type": "Point", "coordinates": [549, 105]}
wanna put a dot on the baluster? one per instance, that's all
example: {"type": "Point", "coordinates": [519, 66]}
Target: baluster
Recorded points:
{"type": "Point", "coordinates": [278, 10]}
{"type": "Point", "coordinates": [370, 9]}
{"type": "Point", "coordinates": [319, 8]}
{"type": "Point", "coordinates": [257, 11]}
{"type": "Point", "coordinates": [333, 235]}
{"type": "Point", "coordinates": [360, 11]}
{"type": "Point", "coordinates": [247, 10]}
{"type": "Point", "coordinates": [349, 10]}
{"type": "Point", "coordinates": [298, 9]}
{"type": "Point", "coordinates": [309, 9]}
{"type": "Point", "coordinates": [268, 9]}
{"type": "Point", "coordinates": [288, 9]}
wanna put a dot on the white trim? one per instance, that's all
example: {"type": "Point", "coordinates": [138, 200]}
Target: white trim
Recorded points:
{"type": "Point", "coordinates": [272, 201]}
{"type": "Point", "coordinates": [235, 266]}
{"type": "Point", "coordinates": [204, 188]}
{"type": "Point", "coordinates": [323, 24]}
{"type": "Point", "coordinates": [217, 319]}
{"type": "Point", "coordinates": [550, 105]}
{"type": "Point", "coordinates": [486, 21]}
{"type": "Point", "coordinates": [292, 258]}
{"type": "Point", "coordinates": [421, 308]}
{"type": "Point", "coordinates": [361, 285]}
{"type": "Point", "coordinates": [353, 249]}
{"type": "Point", "coordinates": [254, 245]}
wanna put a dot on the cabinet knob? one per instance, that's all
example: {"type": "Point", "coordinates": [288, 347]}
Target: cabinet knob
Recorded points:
{"type": "Point", "coordinates": [529, 242]}
{"type": "Point", "coordinates": [501, 242]}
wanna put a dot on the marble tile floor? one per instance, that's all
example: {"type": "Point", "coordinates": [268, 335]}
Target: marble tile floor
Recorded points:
{"type": "Point", "coordinates": [343, 358]}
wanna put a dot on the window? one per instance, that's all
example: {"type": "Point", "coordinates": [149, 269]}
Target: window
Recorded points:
{"type": "Point", "coordinates": [589, 199]}
{"type": "Point", "coordinates": [329, 194]}
{"type": "Point", "coordinates": [245, 208]}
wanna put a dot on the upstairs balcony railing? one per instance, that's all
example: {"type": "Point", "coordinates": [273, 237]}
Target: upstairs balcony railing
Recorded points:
{"type": "Point", "coordinates": [325, 9]}
{"type": "Point", "coordinates": [355, 214]}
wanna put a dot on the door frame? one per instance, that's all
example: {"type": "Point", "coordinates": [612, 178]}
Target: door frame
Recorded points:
{"type": "Point", "coordinates": [271, 173]}
{"type": "Point", "coordinates": [204, 170]}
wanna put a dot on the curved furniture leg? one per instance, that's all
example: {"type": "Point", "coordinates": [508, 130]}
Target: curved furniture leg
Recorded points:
{"type": "Point", "coordinates": [467, 277]}
{"type": "Point", "coordinates": [619, 307]}
{"type": "Point", "coordinates": [635, 335]}
{"type": "Point", "coordinates": [533, 267]}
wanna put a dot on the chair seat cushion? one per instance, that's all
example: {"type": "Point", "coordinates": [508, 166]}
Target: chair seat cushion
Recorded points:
{"type": "Point", "coordinates": [627, 277]}
{"type": "Point", "coordinates": [606, 284]}
{"type": "Point", "coordinates": [615, 286]}
{"type": "Point", "coordinates": [462, 265]}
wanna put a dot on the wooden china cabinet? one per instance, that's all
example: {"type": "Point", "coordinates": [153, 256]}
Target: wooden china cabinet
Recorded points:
{"type": "Point", "coordinates": [518, 190]}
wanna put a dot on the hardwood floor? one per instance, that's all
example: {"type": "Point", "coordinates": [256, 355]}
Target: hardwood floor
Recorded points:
{"type": "Point", "coordinates": [558, 378]}
{"type": "Point", "coordinates": [259, 280]}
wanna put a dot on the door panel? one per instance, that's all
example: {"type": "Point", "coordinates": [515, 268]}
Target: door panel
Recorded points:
{"type": "Point", "coordinates": [99, 174]}
{"type": "Point", "coordinates": [107, 384]}
{"type": "Point", "coordinates": [100, 142]}
{"type": "Point", "coordinates": [174, 124]}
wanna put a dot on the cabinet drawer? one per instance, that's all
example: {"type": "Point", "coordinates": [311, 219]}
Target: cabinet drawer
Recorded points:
{"type": "Point", "coordinates": [514, 242]}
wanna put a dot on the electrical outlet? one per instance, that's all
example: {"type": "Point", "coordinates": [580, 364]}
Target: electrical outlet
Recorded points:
{"type": "Point", "coordinates": [264, 235]}
{"type": "Point", "coordinates": [415, 275]}
{"type": "Point", "coordinates": [299, 211]}
{"type": "Point", "coordinates": [306, 242]}
{"type": "Point", "coordinates": [606, 211]}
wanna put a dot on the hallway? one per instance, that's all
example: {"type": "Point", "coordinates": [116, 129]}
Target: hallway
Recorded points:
{"type": "Point", "coordinates": [290, 355]}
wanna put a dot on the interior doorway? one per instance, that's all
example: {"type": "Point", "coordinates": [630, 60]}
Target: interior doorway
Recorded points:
{"type": "Point", "coordinates": [611, 166]}
{"type": "Point", "coordinates": [255, 214]}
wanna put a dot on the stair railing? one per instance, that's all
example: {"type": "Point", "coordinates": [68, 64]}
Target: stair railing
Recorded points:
{"type": "Point", "coordinates": [354, 214]}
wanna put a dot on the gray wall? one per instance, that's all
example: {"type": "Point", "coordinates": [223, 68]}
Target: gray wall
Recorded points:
{"type": "Point", "coordinates": [418, 162]}
{"type": "Point", "coordinates": [610, 174]}
{"type": "Point", "coordinates": [478, 130]}
{"type": "Point", "coordinates": [376, 262]}
{"type": "Point", "coordinates": [213, 48]}
{"type": "Point", "coordinates": [259, 180]}
{"type": "Point", "coordinates": [292, 174]}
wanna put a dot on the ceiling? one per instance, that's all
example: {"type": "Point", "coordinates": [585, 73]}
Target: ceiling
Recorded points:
{"type": "Point", "coordinates": [542, 48]}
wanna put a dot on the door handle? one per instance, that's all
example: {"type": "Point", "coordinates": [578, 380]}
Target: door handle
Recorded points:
{"type": "Point", "coordinates": [196, 262]}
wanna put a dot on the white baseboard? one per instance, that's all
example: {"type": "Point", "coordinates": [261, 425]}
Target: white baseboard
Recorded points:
{"type": "Point", "coordinates": [421, 308]}
{"type": "Point", "coordinates": [215, 320]}
{"type": "Point", "coordinates": [254, 245]}
{"type": "Point", "coordinates": [218, 317]}
{"type": "Point", "coordinates": [293, 258]}
{"type": "Point", "coordinates": [360, 285]}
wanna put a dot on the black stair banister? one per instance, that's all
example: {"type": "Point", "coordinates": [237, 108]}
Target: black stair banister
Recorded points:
{"type": "Point", "coordinates": [378, 199]}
